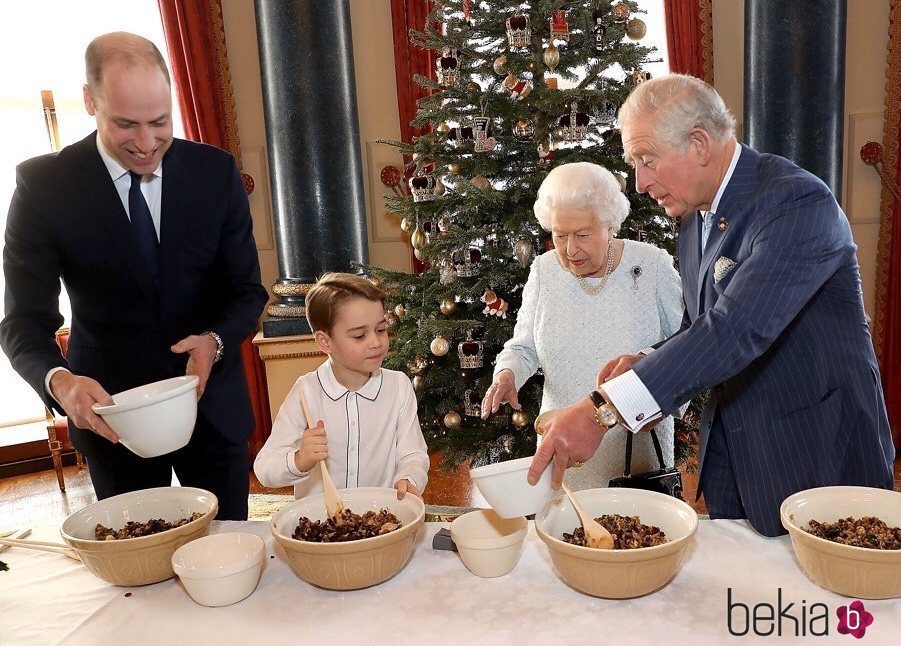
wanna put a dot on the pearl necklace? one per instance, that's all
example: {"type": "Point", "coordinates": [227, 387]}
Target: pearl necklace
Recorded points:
{"type": "Point", "coordinates": [593, 290]}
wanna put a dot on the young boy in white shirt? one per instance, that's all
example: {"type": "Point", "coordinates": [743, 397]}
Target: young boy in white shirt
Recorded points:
{"type": "Point", "coordinates": [368, 429]}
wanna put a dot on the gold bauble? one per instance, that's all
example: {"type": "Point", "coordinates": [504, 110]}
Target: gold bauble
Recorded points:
{"type": "Point", "coordinates": [443, 127]}
{"type": "Point", "coordinates": [481, 182]}
{"type": "Point", "coordinates": [418, 239]}
{"type": "Point", "coordinates": [439, 346]}
{"type": "Point", "coordinates": [419, 254]}
{"type": "Point", "coordinates": [519, 418]}
{"type": "Point", "coordinates": [454, 168]}
{"type": "Point", "coordinates": [500, 65]}
{"type": "Point", "coordinates": [448, 306]}
{"type": "Point", "coordinates": [552, 57]}
{"type": "Point", "coordinates": [400, 310]}
{"type": "Point", "coordinates": [620, 12]}
{"type": "Point", "coordinates": [636, 29]}
{"type": "Point", "coordinates": [405, 224]}
{"type": "Point", "coordinates": [417, 382]}
{"type": "Point", "coordinates": [439, 188]}
{"type": "Point", "coordinates": [472, 86]}
{"type": "Point", "coordinates": [452, 419]}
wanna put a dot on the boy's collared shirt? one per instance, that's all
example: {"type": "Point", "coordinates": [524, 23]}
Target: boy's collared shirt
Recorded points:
{"type": "Point", "coordinates": [374, 437]}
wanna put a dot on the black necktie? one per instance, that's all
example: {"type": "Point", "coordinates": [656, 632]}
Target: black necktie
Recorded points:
{"type": "Point", "coordinates": [142, 223]}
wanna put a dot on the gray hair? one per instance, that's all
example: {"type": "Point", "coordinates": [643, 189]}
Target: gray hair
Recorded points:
{"type": "Point", "coordinates": [582, 185]}
{"type": "Point", "coordinates": [678, 103]}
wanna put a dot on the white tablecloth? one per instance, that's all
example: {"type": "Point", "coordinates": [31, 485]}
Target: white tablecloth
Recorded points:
{"type": "Point", "coordinates": [49, 599]}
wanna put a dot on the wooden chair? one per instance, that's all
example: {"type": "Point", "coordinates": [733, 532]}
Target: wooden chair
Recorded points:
{"type": "Point", "coordinates": [58, 427]}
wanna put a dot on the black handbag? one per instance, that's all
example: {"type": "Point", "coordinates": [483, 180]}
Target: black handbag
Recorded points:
{"type": "Point", "coordinates": [664, 480]}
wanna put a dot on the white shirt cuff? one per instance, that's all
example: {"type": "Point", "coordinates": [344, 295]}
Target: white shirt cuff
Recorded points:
{"type": "Point", "coordinates": [632, 400]}
{"type": "Point", "coordinates": [646, 351]}
{"type": "Point", "coordinates": [292, 468]}
{"type": "Point", "coordinates": [50, 374]}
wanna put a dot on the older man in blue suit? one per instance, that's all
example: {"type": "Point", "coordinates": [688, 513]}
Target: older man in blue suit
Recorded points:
{"type": "Point", "coordinates": [774, 323]}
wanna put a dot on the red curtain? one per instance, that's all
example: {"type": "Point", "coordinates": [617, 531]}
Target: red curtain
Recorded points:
{"type": "Point", "coordinates": [887, 322]}
{"type": "Point", "coordinates": [689, 37]}
{"type": "Point", "coordinates": [195, 37]}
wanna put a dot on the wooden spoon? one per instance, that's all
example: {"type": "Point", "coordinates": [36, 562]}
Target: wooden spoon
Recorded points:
{"type": "Point", "coordinates": [596, 535]}
{"type": "Point", "coordinates": [41, 546]}
{"type": "Point", "coordinates": [333, 504]}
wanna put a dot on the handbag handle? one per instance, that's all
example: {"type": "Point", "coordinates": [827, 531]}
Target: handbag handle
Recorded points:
{"type": "Point", "coordinates": [657, 449]}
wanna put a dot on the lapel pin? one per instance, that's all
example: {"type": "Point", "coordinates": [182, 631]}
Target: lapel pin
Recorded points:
{"type": "Point", "coordinates": [723, 225]}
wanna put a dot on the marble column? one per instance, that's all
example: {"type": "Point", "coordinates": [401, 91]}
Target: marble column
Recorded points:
{"type": "Point", "coordinates": [795, 83]}
{"type": "Point", "coordinates": [313, 141]}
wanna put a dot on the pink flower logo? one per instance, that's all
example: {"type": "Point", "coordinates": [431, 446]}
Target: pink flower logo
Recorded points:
{"type": "Point", "coordinates": [853, 619]}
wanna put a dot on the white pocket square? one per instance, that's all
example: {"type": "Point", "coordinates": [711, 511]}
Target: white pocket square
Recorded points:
{"type": "Point", "coordinates": [722, 267]}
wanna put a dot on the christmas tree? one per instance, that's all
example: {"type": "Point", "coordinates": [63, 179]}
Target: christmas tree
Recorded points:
{"type": "Point", "coordinates": [518, 89]}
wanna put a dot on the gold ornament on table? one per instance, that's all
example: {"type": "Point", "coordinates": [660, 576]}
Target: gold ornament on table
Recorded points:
{"type": "Point", "coordinates": [636, 29]}
{"type": "Point", "coordinates": [439, 346]}
{"type": "Point", "coordinates": [551, 57]}
{"type": "Point", "coordinates": [620, 12]}
{"type": "Point", "coordinates": [417, 383]}
{"type": "Point", "coordinates": [448, 306]}
{"type": "Point", "coordinates": [500, 65]}
{"type": "Point", "coordinates": [519, 419]}
{"type": "Point", "coordinates": [400, 310]}
{"type": "Point", "coordinates": [418, 239]}
{"type": "Point", "coordinates": [452, 419]}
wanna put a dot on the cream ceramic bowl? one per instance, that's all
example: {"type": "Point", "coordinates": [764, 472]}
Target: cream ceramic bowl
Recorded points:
{"type": "Point", "coordinates": [618, 574]}
{"type": "Point", "coordinates": [353, 564]}
{"type": "Point", "coordinates": [506, 489]}
{"type": "Point", "coordinates": [851, 571]}
{"type": "Point", "coordinates": [156, 418]}
{"type": "Point", "coordinates": [220, 569]}
{"type": "Point", "coordinates": [147, 559]}
{"type": "Point", "coordinates": [489, 545]}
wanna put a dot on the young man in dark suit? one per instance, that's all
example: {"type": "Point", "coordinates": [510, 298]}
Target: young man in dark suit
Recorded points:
{"type": "Point", "coordinates": [774, 323]}
{"type": "Point", "coordinates": [153, 239]}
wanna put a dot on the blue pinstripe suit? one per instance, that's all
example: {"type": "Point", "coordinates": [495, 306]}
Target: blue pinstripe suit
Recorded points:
{"type": "Point", "coordinates": [781, 340]}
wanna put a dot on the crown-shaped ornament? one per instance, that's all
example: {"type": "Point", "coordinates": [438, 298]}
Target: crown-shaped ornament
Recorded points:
{"type": "Point", "coordinates": [466, 262]}
{"type": "Point", "coordinates": [447, 67]}
{"type": "Point", "coordinates": [573, 126]}
{"type": "Point", "coordinates": [460, 135]}
{"type": "Point", "coordinates": [471, 352]}
{"type": "Point", "coordinates": [519, 34]}
{"type": "Point", "coordinates": [422, 187]}
{"type": "Point", "coordinates": [472, 403]}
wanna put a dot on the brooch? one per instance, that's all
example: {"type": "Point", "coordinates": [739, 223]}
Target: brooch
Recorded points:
{"type": "Point", "coordinates": [635, 272]}
{"type": "Point", "coordinates": [722, 225]}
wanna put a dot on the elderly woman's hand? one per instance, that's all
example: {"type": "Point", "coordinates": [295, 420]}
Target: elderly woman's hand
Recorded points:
{"type": "Point", "coordinates": [502, 389]}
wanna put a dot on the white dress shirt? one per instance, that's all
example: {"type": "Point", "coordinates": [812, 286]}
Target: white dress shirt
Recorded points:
{"type": "Point", "coordinates": [373, 434]}
{"type": "Point", "coordinates": [627, 393]}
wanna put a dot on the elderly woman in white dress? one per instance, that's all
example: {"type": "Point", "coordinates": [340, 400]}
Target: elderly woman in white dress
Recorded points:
{"type": "Point", "coordinates": [593, 298]}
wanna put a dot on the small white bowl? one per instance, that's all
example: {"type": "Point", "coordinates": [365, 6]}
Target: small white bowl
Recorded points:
{"type": "Point", "coordinates": [489, 545]}
{"type": "Point", "coordinates": [156, 418]}
{"type": "Point", "coordinates": [220, 569]}
{"type": "Point", "coordinates": [506, 489]}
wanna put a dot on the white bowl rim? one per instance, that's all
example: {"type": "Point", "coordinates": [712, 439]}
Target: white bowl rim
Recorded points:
{"type": "Point", "coordinates": [256, 552]}
{"type": "Point", "coordinates": [497, 542]}
{"type": "Point", "coordinates": [214, 508]}
{"type": "Point", "coordinates": [795, 528]}
{"type": "Point", "coordinates": [635, 550]}
{"type": "Point", "coordinates": [498, 468]}
{"type": "Point", "coordinates": [188, 382]}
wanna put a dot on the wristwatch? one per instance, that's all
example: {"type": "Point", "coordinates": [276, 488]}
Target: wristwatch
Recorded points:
{"type": "Point", "coordinates": [604, 411]}
{"type": "Point", "coordinates": [220, 347]}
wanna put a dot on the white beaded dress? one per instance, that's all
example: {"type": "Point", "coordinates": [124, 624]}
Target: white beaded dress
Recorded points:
{"type": "Point", "coordinates": [570, 335]}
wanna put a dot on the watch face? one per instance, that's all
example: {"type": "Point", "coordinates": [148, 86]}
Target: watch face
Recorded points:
{"type": "Point", "coordinates": [606, 416]}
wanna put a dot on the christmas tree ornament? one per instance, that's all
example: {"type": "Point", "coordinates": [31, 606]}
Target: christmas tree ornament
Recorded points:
{"type": "Point", "coordinates": [573, 127]}
{"type": "Point", "coordinates": [519, 419]}
{"type": "Point", "coordinates": [418, 239]}
{"type": "Point", "coordinates": [422, 187]}
{"type": "Point", "coordinates": [417, 365]}
{"type": "Point", "coordinates": [551, 57]}
{"type": "Point", "coordinates": [439, 346]}
{"type": "Point", "coordinates": [439, 188]}
{"type": "Point", "coordinates": [524, 129]}
{"type": "Point", "coordinates": [519, 33]}
{"type": "Point", "coordinates": [446, 273]}
{"type": "Point", "coordinates": [472, 403]}
{"type": "Point", "coordinates": [429, 229]}
{"type": "Point", "coordinates": [443, 128]}
{"type": "Point", "coordinates": [636, 29]}
{"type": "Point", "coordinates": [508, 444]}
{"type": "Point", "coordinates": [419, 254]}
{"type": "Point", "coordinates": [390, 177]}
{"type": "Point", "coordinates": [460, 136]}
{"type": "Point", "coordinates": [444, 224]}
{"type": "Point", "coordinates": [481, 182]}
{"type": "Point", "coordinates": [454, 168]}
{"type": "Point", "coordinates": [606, 113]}
{"type": "Point", "coordinates": [471, 353]}
{"type": "Point", "coordinates": [417, 383]}
{"type": "Point", "coordinates": [481, 127]}
{"type": "Point", "coordinates": [519, 88]}
{"type": "Point", "coordinates": [448, 306]}
{"type": "Point", "coordinates": [550, 82]}
{"type": "Point", "coordinates": [405, 225]}
{"type": "Point", "coordinates": [494, 304]}
{"type": "Point", "coordinates": [599, 29]}
{"type": "Point", "coordinates": [472, 86]}
{"type": "Point", "coordinates": [559, 26]}
{"type": "Point", "coordinates": [620, 12]}
{"type": "Point", "coordinates": [622, 181]}
{"type": "Point", "coordinates": [523, 251]}
{"type": "Point", "coordinates": [466, 262]}
{"type": "Point", "coordinates": [452, 419]}
{"type": "Point", "coordinates": [500, 65]}
{"type": "Point", "coordinates": [637, 77]}
{"type": "Point", "coordinates": [400, 310]}
{"type": "Point", "coordinates": [447, 67]}
{"type": "Point", "coordinates": [545, 154]}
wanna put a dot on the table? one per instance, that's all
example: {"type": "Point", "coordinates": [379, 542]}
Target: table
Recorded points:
{"type": "Point", "coordinates": [49, 599]}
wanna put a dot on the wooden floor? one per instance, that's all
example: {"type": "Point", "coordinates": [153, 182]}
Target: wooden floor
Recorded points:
{"type": "Point", "coordinates": [35, 499]}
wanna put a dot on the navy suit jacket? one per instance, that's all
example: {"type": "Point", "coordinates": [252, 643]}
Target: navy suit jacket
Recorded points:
{"type": "Point", "coordinates": [781, 340]}
{"type": "Point", "coordinates": [66, 220]}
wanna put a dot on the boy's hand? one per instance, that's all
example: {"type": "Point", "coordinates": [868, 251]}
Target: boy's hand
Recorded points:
{"type": "Point", "coordinates": [313, 448]}
{"type": "Point", "coordinates": [404, 487]}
